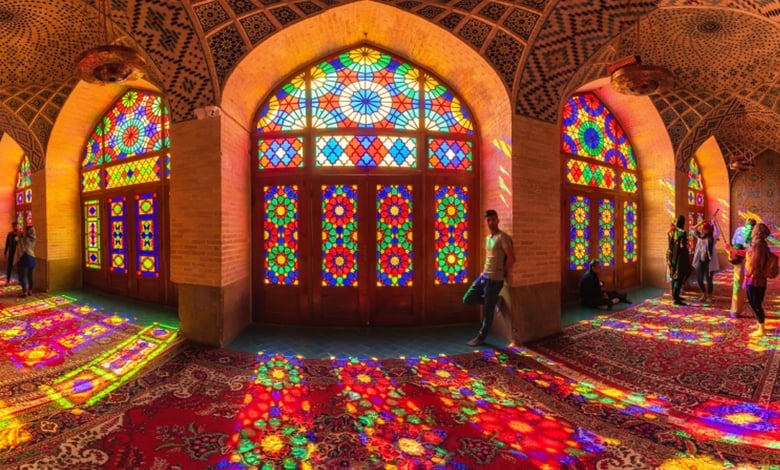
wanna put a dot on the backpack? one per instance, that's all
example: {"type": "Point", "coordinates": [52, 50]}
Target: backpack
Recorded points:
{"type": "Point", "coordinates": [771, 267]}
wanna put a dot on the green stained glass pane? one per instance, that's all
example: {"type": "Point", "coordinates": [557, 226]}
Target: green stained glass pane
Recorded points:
{"type": "Point", "coordinates": [92, 248]}
{"type": "Point", "coordinates": [630, 232]}
{"type": "Point", "coordinates": [579, 232]}
{"type": "Point", "coordinates": [607, 232]}
{"type": "Point", "coordinates": [394, 235]}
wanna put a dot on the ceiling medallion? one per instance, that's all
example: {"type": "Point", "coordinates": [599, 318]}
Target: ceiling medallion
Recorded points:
{"type": "Point", "coordinates": [630, 77]}
{"type": "Point", "coordinates": [111, 63]}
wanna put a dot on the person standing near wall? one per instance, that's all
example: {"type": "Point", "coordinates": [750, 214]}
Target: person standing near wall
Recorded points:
{"type": "Point", "coordinates": [11, 240]}
{"type": "Point", "coordinates": [486, 288]}
{"type": "Point", "coordinates": [27, 261]}
{"type": "Point", "coordinates": [704, 258]}
{"type": "Point", "coordinates": [755, 279]}
{"type": "Point", "coordinates": [740, 242]}
{"type": "Point", "coordinates": [678, 261]}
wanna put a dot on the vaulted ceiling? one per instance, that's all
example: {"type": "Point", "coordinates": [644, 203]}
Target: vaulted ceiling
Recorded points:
{"type": "Point", "coordinates": [723, 54]}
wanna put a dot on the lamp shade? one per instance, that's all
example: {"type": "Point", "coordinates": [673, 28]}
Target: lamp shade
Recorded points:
{"type": "Point", "coordinates": [111, 63]}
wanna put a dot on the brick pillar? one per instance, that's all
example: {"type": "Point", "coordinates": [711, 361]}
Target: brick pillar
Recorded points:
{"type": "Point", "coordinates": [210, 226]}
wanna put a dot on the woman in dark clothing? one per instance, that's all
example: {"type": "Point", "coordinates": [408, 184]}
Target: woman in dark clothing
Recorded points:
{"type": "Point", "coordinates": [11, 240]}
{"type": "Point", "coordinates": [678, 262]}
{"type": "Point", "coordinates": [27, 261]}
{"type": "Point", "coordinates": [704, 258]}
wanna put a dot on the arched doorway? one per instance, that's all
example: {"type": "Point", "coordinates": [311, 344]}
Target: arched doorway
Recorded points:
{"type": "Point", "coordinates": [364, 186]}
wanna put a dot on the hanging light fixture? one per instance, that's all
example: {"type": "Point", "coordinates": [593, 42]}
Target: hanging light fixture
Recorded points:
{"type": "Point", "coordinates": [110, 62]}
{"type": "Point", "coordinates": [630, 76]}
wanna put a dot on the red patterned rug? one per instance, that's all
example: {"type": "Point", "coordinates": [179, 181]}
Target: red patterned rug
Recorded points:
{"type": "Point", "coordinates": [649, 387]}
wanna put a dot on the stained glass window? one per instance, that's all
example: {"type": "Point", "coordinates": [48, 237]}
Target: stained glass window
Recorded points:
{"type": "Point", "coordinates": [579, 232]}
{"type": "Point", "coordinates": [366, 151]}
{"type": "Point", "coordinates": [394, 235]}
{"type": "Point", "coordinates": [24, 192]}
{"type": "Point", "coordinates": [695, 184]}
{"type": "Point", "coordinates": [147, 239]}
{"type": "Point", "coordinates": [280, 239]}
{"type": "Point", "coordinates": [117, 222]}
{"type": "Point", "coordinates": [92, 248]}
{"type": "Point", "coordinates": [598, 155]}
{"type": "Point", "coordinates": [339, 235]}
{"type": "Point", "coordinates": [450, 226]}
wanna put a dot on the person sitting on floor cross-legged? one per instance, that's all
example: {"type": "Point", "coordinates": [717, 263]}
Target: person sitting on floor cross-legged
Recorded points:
{"type": "Point", "coordinates": [592, 292]}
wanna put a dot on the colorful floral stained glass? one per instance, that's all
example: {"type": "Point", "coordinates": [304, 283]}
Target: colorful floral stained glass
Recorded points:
{"type": "Point", "coordinates": [695, 184]}
{"type": "Point", "coordinates": [591, 130]}
{"type": "Point", "coordinates": [136, 125]}
{"type": "Point", "coordinates": [449, 154]}
{"type": "Point", "coordinates": [394, 235]}
{"type": "Point", "coordinates": [147, 239]}
{"type": "Point", "coordinates": [579, 232]}
{"type": "Point", "coordinates": [339, 235]}
{"type": "Point", "coordinates": [590, 174]}
{"type": "Point", "coordinates": [443, 110]}
{"type": "Point", "coordinates": [630, 232]}
{"type": "Point", "coordinates": [139, 171]}
{"type": "Point", "coordinates": [366, 151]}
{"type": "Point", "coordinates": [365, 88]}
{"type": "Point", "coordinates": [24, 175]}
{"type": "Point", "coordinates": [281, 234]}
{"type": "Point", "coordinates": [117, 222]}
{"type": "Point", "coordinates": [92, 249]}
{"type": "Point", "coordinates": [695, 217]}
{"type": "Point", "coordinates": [607, 232]}
{"type": "Point", "coordinates": [286, 110]}
{"type": "Point", "coordinates": [24, 217]}
{"type": "Point", "coordinates": [282, 152]}
{"type": "Point", "coordinates": [628, 182]}
{"type": "Point", "coordinates": [450, 232]}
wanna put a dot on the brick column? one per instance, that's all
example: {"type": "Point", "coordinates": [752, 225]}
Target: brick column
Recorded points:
{"type": "Point", "coordinates": [209, 203]}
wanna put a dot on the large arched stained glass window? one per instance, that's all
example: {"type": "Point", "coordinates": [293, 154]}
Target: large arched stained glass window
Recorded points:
{"type": "Point", "coordinates": [24, 193]}
{"type": "Point", "coordinates": [364, 113]}
{"type": "Point", "coordinates": [602, 187]}
{"type": "Point", "coordinates": [125, 169]}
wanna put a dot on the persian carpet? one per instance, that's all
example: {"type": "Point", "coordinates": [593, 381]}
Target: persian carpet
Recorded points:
{"type": "Point", "coordinates": [603, 395]}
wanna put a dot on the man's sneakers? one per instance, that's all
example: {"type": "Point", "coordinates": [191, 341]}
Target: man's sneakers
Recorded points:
{"type": "Point", "coordinates": [476, 342]}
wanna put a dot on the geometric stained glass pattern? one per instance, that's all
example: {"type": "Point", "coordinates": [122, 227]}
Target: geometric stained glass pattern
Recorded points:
{"type": "Point", "coordinates": [147, 241]}
{"type": "Point", "coordinates": [695, 184]}
{"type": "Point", "coordinates": [590, 174]}
{"type": "Point", "coordinates": [366, 151]}
{"type": "Point", "coordinates": [92, 258]}
{"type": "Point", "coordinates": [136, 125]}
{"type": "Point", "coordinates": [443, 111]}
{"type": "Point", "coordinates": [449, 154]}
{"type": "Point", "coordinates": [394, 235]}
{"type": "Point", "coordinates": [628, 182]}
{"type": "Point", "coordinates": [281, 235]}
{"type": "Point", "coordinates": [450, 231]}
{"type": "Point", "coordinates": [282, 152]}
{"type": "Point", "coordinates": [117, 223]}
{"type": "Point", "coordinates": [133, 172]}
{"type": "Point", "coordinates": [24, 175]}
{"type": "Point", "coordinates": [339, 235]}
{"type": "Point", "coordinates": [365, 88]}
{"type": "Point", "coordinates": [630, 232]}
{"type": "Point", "coordinates": [607, 232]}
{"type": "Point", "coordinates": [591, 130]}
{"type": "Point", "coordinates": [90, 180]}
{"type": "Point", "coordinates": [579, 232]}
{"type": "Point", "coordinates": [286, 110]}
{"type": "Point", "coordinates": [24, 192]}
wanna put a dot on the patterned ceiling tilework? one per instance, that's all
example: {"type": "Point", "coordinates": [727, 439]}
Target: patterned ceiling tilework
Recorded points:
{"type": "Point", "coordinates": [538, 5]}
{"type": "Point", "coordinates": [308, 7]}
{"type": "Point", "coordinates": [573, 32]}
{"type": "Point", "coordinates": [240, 7]}
{"type": "Point", "coordinates": [165, 30]}
{"type": "Point", "coordinates": [226, 48]}
{"type": "Point", "coordinates": [430, 11]}
{"type": "Point", "coordinates": [474, 32]}
{"type": "Point", "coordinates": [493, 11]}
{"type": "Point", "coordinates": [691, 119]}
{"type": "Point", "coordinates": [768, 8]}
{"type": "Point", "coordinates": [20, 133]}
{"type": "Point", "coordinates": [257, 27]}
{"type": "Point", "coordinates": [677, 132]}
{"type": "Point", "coordinates": [285, 15]}
{"type": "Point", "coordinates": [504, 53]}
{"type": "Point", "coordinates": [407, 5]}
{"type": "Point", "coordinates": [467, 5]}
{"type": "Point", "coordinates": [521, 22]}
{"type": "Point", "coordinates": [210, 15]}
{"type": "Point", "coordinates": [451, 21]}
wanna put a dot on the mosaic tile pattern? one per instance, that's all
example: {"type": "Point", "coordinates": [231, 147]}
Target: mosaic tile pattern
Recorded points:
{"type": "Point", "coordinates": [541, 49]}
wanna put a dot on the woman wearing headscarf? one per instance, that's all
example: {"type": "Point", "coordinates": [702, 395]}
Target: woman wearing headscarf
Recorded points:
{"type": "Point", "coordinates": [678, 262]}
{"type": "Point", "coordinates": [704, 259]}
{"type": "Point", "coordinates": [755, 280]}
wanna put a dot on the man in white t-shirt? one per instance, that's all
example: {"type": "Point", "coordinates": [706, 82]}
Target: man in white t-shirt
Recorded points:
{"type": "Point", "coordinates": [486, 288]}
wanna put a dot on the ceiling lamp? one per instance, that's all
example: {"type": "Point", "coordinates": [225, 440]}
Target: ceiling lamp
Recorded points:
{"type": "Point", "coordinates": [630, 76]}
{"type": "Point", "coordinates": [110, 62]}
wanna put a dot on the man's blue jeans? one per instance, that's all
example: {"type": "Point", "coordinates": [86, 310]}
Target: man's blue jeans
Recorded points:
{"type": "Point", "coordinates": [484, 291]}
